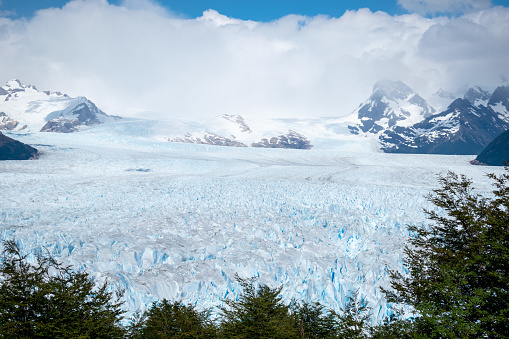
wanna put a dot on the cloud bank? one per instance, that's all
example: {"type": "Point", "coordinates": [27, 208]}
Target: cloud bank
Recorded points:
{"type": "Point", "coordinates": [139, 58]}
{"type": "Point", "coordinates": [444, 6]}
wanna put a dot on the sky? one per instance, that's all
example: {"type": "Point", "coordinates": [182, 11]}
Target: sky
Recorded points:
{"type": "Point", "coordinates": [277, 58]}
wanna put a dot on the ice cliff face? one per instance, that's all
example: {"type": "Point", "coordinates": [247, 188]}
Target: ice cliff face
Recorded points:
{"type": "Point", "coordinates": [391, 104]}
{"type": "Point", "coordinates": [24, 107]}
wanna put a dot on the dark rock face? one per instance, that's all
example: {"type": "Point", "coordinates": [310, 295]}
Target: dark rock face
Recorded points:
{"type": "Point", "coordinates": [496, 153]}
{"type": "Point", "coordinates": [209, 139]}
{"type": "Point", "coordinates": [84, 114]}
{"type": "Point", "coordinates": [239, 121]}
{"type": "Point", "coordinates": [11, 149]}
{"type": "Point", "coordinates": [463, 128]}
{"type": "Point", "coordinates": [9, 124]}
{"type": "Point", "coordinates": [291, 139]}
{"type": "Point", "coordinates": [500, 96]}
{"type": "Point", "coordinates": [476, 94]}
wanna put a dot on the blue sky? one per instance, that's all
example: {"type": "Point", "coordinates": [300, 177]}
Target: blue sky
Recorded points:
{"type": "Point", "coordinates": [258, 10]}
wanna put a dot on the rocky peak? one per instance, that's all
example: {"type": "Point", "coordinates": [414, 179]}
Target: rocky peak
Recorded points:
{"type": "Point", "coordinates": [441, 93]}
{"type": "Point", "coordinates": [14, 84]}
{"type": "Point", "coordinates": [391, 104]}
{"type": "Point", "coordinates": [391, 90]}
{"type": "Point", "coordinates": [500, 95]}
{"type": "Point", "coordinates": [476, 96]}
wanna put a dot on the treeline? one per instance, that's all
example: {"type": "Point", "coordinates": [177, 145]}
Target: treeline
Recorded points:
{"type": "Point", "coordinates": [457, 286]}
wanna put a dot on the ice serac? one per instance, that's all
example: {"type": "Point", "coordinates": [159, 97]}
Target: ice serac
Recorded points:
{"type": "Point", "coordinates": [82, 112]}
{"type": "Point", "coordinates": [391, 104]}
{"type": "Point", "coordinates": [11, 149]}
{"type": "Point", "coordinates": [462, 129]}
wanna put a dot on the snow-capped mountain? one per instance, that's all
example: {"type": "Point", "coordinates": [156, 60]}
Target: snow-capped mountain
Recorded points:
{"type": "Point", "coordinates": [23, 107]}
{"type": "Point", "coordinates": [391, 104]}
{"type": "Point", "coordinates": [80, 112]}
{"type": "Point", "coordinates": [464, 128]}
{"type": "Point", "coordinates": [499, 102]}
{"type": "Point", "coordinates": [235, 131]}
{"type": "Point", "coordinates": [477, 96]}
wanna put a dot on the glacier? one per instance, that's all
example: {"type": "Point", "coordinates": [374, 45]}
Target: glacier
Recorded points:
{"type": "Point", "coordinates": [178, 221]}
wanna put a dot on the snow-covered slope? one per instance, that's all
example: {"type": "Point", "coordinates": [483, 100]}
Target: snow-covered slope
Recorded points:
{"type": "Point", "coordinates": [466, 127]}
{"type": "Point", "coordinates": [23, 107]}
{"type": "Point", "coordinates": [177, 221]}
{"type": "Point", "coordinates": [235, 131]}
{"type": "Point", "coordinates": [391, 104]}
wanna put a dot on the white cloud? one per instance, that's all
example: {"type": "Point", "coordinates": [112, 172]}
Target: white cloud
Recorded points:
{"type": "Point", "coordinates": [132, 59]}
{"type": "Point", "coordinates": [147, 5]}
{"type": "Point", "coordinates": [444, 6]}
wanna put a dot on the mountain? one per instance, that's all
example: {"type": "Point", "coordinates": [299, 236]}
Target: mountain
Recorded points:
{"type": "Point", "coordinates": [291, 139]}
{"type": "Point", "coordinates": [23, 107]}
{"type": "Point", "coordinates": [496, 153]}
{"type": "Point", "coordinates": [477, 96]}
{"type": "Point", "coordinates": [235, 131]}
{"type": "Point", "coordinates": [11, 149]}
{"type": "Point", "coordinates": [81, 112]}
{"type": "Point", "coordinates": [391, 104]}
{"type": "Point", "coordinates": [499, 102]}
{"type": "Point", "coordinates": [464, 128]}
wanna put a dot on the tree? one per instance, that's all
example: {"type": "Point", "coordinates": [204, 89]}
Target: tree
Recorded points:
{"type": "Point", "coordinates": [173, 320]}
{"type": "Point", "coordinates": [314, 322]}
{"type": "Point", "coordinates": [257, 314]}
{"type": "Point", "coordinates": [353, 321]}
{"type": "Point", "coordinates": [458, 281]}
{"type": "Point", "coordinates": [48, 300]}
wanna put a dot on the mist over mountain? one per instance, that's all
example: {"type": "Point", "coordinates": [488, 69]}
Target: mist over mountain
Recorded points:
{"type": "Point", "coordinates": [467, 126]}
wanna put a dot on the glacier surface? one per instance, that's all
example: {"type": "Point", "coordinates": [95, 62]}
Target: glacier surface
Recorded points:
{"type": "Point", "coordinates": [178, 221]}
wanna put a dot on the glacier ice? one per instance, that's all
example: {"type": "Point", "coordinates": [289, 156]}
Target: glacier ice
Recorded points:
{"type": "Point", "coordinates": [322, 222]}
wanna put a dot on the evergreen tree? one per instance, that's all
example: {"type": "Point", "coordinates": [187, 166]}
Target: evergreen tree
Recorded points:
{"type": "Point", "coordinates": [354, 318]}
{"type": "Point", "coordinates": [458, 265]}
{"type": "Point", "coordinates": [314, 322]}
{"type": "Point", "coordinates": [173, 320]}
{"type": "Point", "coordinates": [48, 300]}
{"type": "Point", "coordinates": [259, 313]}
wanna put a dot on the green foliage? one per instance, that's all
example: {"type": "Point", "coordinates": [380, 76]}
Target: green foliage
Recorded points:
{"type": "Point", "coordinates": [393, 328]}
{"type": "Point", "coordinates": [314, 321]}
{"type": "Point", "coordinates": [48, 300]}
{"type": "Point", "coordinates": [173, 320]}
{"type": "Point", "coordinates": [257, 314]}
{"type": "Point", "coordinates": [353, 321]}
{"type": "Point", "coordinates": [458, 279]}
